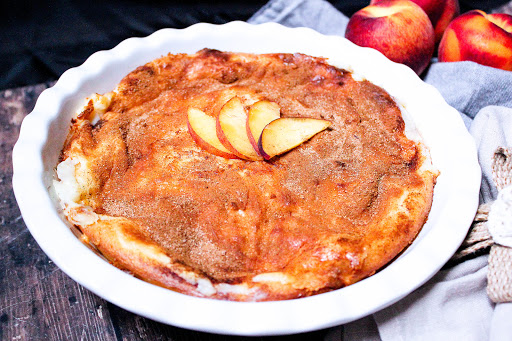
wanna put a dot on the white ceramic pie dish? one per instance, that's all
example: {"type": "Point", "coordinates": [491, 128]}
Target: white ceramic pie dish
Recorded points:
{"type": "Point", "coordinates": [452, 149]}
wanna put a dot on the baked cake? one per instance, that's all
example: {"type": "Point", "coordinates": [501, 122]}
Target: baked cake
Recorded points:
{"type": "Point", "coordinates": [157, 202]}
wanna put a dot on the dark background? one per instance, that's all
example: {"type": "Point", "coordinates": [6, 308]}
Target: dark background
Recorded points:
{"type": "Point", "coordinates": [39, 40]}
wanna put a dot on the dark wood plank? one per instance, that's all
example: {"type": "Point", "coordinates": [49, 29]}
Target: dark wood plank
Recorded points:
{"type": "Point", "coordinates": [37, 300]}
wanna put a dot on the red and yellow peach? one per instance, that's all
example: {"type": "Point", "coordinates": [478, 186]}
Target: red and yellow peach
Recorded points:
{"type": "Point", "coordinates": [479, 37]}
{"type": "Point", "coordinates": [440, 13]}
{"type": "Point", "coordinates": [399, 29]}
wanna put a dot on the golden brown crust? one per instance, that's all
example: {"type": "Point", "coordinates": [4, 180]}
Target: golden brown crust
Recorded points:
{"type": "Point", "coordinates": [322, 216]}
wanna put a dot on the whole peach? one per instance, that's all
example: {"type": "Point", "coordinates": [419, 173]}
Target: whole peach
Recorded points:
{"type": "Point", "coordinates": [440, 13]}
{"type": "Point", "coordinates": [399, 29]}
{"type": "Point", "coordinates": [479, 37]}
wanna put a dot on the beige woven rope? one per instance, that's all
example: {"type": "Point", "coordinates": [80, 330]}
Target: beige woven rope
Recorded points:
{"type": "Point", "coordinates": [499, 275]}
{"type": "Point", "coordinates": [479, 239]}
{"type": "Point", "coordinates": [502, 167]}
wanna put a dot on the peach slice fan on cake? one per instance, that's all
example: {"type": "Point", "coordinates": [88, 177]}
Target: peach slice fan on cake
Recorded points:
{"type": "Point", "coordinates": [259, 134]}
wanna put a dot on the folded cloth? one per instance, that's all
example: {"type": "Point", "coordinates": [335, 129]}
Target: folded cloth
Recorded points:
{"type": "Point", "coordinates": [318, 15]}
{"type": "Point", "coordinates": [454, 303]}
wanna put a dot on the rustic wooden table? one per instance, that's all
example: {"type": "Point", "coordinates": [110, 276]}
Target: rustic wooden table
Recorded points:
{"type": "Point", "coordinates": [37, 300]}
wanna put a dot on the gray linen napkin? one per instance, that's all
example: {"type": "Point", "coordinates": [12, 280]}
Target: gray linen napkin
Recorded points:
{"type": "Point", "coordinates": [454, 303]}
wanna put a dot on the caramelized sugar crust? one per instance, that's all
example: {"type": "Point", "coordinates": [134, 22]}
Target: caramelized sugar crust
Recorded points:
{"type": "Point", "coordinates": [324, 215]}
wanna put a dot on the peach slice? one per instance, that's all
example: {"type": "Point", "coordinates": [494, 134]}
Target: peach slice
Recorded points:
{"type": "Point", "coordinates": [232, 131]}
{"type": "Point", "coordinates": [260, 114]}
{"type": "Point", "coordinates": [283, 134]}
{"type": "Point", "coordinates": [202, 128]}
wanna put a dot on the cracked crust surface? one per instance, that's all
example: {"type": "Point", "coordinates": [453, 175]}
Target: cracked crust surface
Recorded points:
{"type": "Point", "coordinates": [323, 216]}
